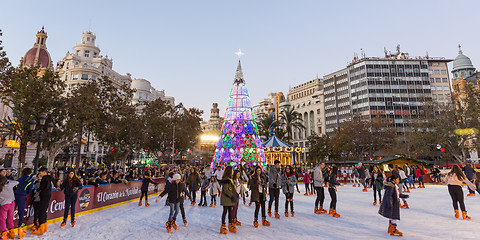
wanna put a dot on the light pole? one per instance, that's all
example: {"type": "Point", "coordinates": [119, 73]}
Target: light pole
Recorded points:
{"type": "Point", "coordinates": [40, 134]}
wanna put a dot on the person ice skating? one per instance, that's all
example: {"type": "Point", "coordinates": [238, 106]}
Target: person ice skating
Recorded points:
{"type": "Point", "coordinates": [420, 173]}
{"type": "Point", "coordinates": [275, 183]}
{"type": "Point", "coordinates": [332, 190]}
{"type": "Point", "coordinates": [70, 186]}
{"type": "Point", "coordinates": [477, 181]}
{"type": "Point", "coordinates": [390, 207]}
{"type": "Point", "coordinates": [24, 187]}
{"type": "Point", "coordinates": [258, 186]}
{"type": "Point", "coordinates": [241, 191]}
{"type": "Point", "coordinates": [470, 175]}
{"type": "Point", "coordinates": [288, 187]}
{"type": "Point", "coordinates": [228, 199]}
{"type": "Point", "coordinates": [45, 192]}
{"type": "Point", "coordinates": [184, 193]}
{"type": "Point", "coordinates": [295, 173]}
{"type": "Point", "coordinates": [306, 180]}
{"type": "Point", "coordinates": [318, 182]}
{"type": "Point", "coordinates": [409, 172]}
{"type": "Point", "coordinates": [144, 189]}
{"type": "Point", "coordinates": [36, 202]}
{"type": "Point", "coordinates": [7, 208]}
{"type": "Point", "coordinates": [356, 181]}
{"type": "Point", "coordinates": [377, 178]}
{"type": "Point", "coordinates": [215, 189]}
{"type": "Point", "coordinates": [403, 179]}
{"type": "Point", "coordinates": [203, 190]}
{"type": "Point", "coordinates": [193, 181]}
{"type": "Point", "coordinates": [173, 192]}
{"type": "Point", "coordinates": [361, 175]}
{"type": "Point", "coordinates": [396, 172]}
{"type": "Point", "coordinates": [455, 179]}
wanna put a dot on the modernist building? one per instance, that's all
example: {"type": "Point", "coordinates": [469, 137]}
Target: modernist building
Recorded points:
{"type": "Point", "coordinates": [394, 87]}
{"type": "Point", "coordinates": [307, 99]}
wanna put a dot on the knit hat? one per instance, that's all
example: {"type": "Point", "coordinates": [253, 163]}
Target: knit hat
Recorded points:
{"type": "Point", "coordinates": [176, 177]}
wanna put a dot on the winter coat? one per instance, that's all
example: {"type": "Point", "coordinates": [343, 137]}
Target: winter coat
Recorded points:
{"type": "Point", "coordinates": [332, 180]}
{"type": "Point", "coordinates": [193, 181]}
{"type": "Point", "coordinates": [203, 184]}
{"type": "Point", "coordinates": [45, 188]}
{"type": "Point", "coordinates": [469, 172]}
{"type": "Point", "coordinates": [318, 179]}
{"type": "Point", "coordinates": [215, 188]}
{"type": "Point", "coordinates": [145, 182]}
{"type": "Point", "coordinates": [229, 195]}
{"type": "Point", "coordinates": [183, 192]}
{"type": "Point", "coordinates": [239, 187]}
{"type": "Point", "coordinates": [173, 190]}
{"type": "Point", "coordinates": [288, 183]}
{"type": "Point", "coordinates": [274, 177]}
{"type": "Point", "coordinates": [25, 186]}
{"type": "Point", "coordinates": [419, 172]}
{"type": "Point", "coordinates": [71, 187]}
{"type": "Point", "coordinates": [361, 172]}
{"type": "Point", "coordinates": [255, 185]}
{"type": "Point", "coordinates": [378, 180]}
{"type": "Point", "coordinates": [306, 178]}
{"type": "Point", "coordinates": [390, 207]}
{"type": "Point", "coordinates": [6, 195]}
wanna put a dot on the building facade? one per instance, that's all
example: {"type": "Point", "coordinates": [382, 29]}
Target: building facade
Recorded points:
{"type": "Point", "coordinates": [145, 92]}
{"type": "Point", "coordinates": [393, 87]}
{"type": "Point", "coordinates": [308, 100]}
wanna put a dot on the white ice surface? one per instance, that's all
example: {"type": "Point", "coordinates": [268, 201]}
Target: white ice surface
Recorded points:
{"type": "Point", "coordinates": [430, 217]}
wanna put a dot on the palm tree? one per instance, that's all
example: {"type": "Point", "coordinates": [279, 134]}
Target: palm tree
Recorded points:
{"type": "Point", "coordinates": [264, 123]}
{"type": "Point", "coordinates": [289, 120]}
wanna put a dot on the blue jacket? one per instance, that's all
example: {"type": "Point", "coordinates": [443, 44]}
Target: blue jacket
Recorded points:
{"type": "Point", "coordinates": [25, 186]}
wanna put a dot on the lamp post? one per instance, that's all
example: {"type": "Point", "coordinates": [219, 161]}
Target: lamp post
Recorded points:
{"type": "Point", "coordinates": [39, 134]}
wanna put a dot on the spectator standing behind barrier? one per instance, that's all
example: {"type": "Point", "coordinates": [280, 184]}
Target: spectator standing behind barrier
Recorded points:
{"type": "Point", "coordinates": [70, 186]}
{"type": "Point", "coordinates": [45, 192]}
{"type": "Point", "coordinates": [24, 187]}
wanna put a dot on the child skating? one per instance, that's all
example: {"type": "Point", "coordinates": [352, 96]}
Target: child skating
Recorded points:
{"type": "Point", "coordinates": [390, 207]}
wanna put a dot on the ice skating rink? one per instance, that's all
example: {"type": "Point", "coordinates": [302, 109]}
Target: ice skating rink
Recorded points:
{"type": "Point", "coordinates": [430, 216]}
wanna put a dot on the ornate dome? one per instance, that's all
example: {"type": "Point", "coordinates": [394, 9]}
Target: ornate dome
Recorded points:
{"type": "Point", "coordinates": [462, 61]}
{"type": "Point", "coordinates": [43, 60]}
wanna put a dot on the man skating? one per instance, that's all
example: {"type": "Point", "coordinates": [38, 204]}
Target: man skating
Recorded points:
{"type": "Point", "coordinates": [274, 183]}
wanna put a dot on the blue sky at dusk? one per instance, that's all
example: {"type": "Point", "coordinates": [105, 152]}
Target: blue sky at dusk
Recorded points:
{"type": "Point", "coordinates": [187, 47]}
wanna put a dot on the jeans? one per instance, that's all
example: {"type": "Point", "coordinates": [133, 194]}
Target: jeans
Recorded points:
{"type": "Point", "coordinates": [173, 211]}
{"type": "Point", "coordinates": [420, 180]}
{"type": "Point", "coordinates": [203, 197]}
{"type": "Point", "coordinates": [274, 196]}
{"type": "Point", "coordinates": [70, 201]}
{"type": "Point", "coordinates": [410, 181]}
{"type": "Point", "coordinates": [320, 196]}
{"type": "Point", "coordinates": [405, 181]}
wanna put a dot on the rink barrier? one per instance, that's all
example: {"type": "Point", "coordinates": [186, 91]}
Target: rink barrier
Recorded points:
{"type": "Point", "coordinates": [92, 199]}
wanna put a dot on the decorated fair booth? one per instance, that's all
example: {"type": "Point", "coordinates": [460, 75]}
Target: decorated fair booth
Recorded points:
{"type": "Point", "coordinates": [276, 149]}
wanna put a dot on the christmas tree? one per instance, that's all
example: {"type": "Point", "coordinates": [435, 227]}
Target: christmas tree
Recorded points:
{"type": "Point", "coordinates": [239, 141]}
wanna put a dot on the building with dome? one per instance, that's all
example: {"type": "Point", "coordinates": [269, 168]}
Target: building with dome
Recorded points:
{"type": "Point", "coordinates": [38, 56]}
{"type": "Point", "coordinates": [145, 92]}
{"type": "Point", "coordinates": [464, 73]}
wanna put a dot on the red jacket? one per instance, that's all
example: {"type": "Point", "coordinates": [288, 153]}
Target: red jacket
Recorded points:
{"type": "Point", "coordinates": [306, 178]}
{"type": "Point", "coordinates": [419, 172]}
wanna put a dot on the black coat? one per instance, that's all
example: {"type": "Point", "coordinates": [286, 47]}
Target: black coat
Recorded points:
{"type": "Point", "coordinates": [145, 182]}
{"type": "Point", "coordinates": [390, 207]}
{"type": "Point", "coordinates": [45, 189]}
{"type": "Point", "coordinates": [173, 190]}
{"type": "Point", "coordinates": [70, 190]}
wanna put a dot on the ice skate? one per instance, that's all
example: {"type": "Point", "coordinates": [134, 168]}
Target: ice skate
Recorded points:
{"type": "Point", "coordinates": [146, 203]}
{"type": "Point", "coordinates": [456, 213]}
{"type": "Point", "coordinates": [277, 216]}
{"type": "Point", "coordinates": [354, 185]}
{"type": "Point", "coordinates": [364, 190]}
{"type": "Point", "coordinates": [39, 230]}
{"type": "Point", "coordinates": [73, 223]}
{"type": "Point", "coordinates": [269, 213]}
{"type": "Point", "coordinates": [465, 217]}
{"type": "Point", "coordinates": [232, 228]}
{"type": "Point", "coordinates": [265, 222]}
{"type": "Point", "coordinates": [335, 214]}
{"type": "Point", "coordinates": [293, 213]}
{"type": "Point", "coordinates": [470, 194]}
{"type": "Point", "coordinates": [11, 234]}
{"type": "Point", "coordinates": [211, 205]}
{"type": "Point", "coordinates": [244, 202]}
{"type": "Point", "coordinates": [223, 229]}
{"type": "Point", "coordinates": [405, 205]}
{"type": "Point", "coordinates": [374, 203]}
{"type": "Point", "coordinates": [286, 214]}
{"type": "Point", "coordinates": [250, 204]}
{"type": "Point", "coordinates": [4, 236]}
{"type": "Point", "coordinates": [64, 222]}
{"type": "Point", "coordinates": [169, 227]}
{"type": "Point", "coordinates": [255, 223]}
{"type": "Point", "coordinates": [395, 232]}
{"type": "Point", "coordinates": [21, 233]}
{"type": "Point", "coordinates": [330, 211]}
{"type": "Point", "coordinates": [185, 221]}
{"type": "Point", "coordinates": [140, 203]}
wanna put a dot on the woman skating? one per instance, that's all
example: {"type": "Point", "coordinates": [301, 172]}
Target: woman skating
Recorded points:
{"type": "Point", "coordinates": [241, 191]}
{"type": "Point", "coordinates": [390, 207]}
{"type": "Point", "coordinates": [215, 189]}
{"type": "Point", "coordinates": [306, 180]}
{"type": "Point", "coordinates": [332, 189]}
{"type": "Point", "coordinates": [227, 200]}
{"type": "Point", "coordinates": [288, 187]}
{"type": "Point", "coordinates": [377, 178]}
{"type": "Point", "coordinates": [455, 179]}
{"type": "Point", "coordinates": [144, 189]}
{"type": "Point", "coordinates": [70, 186]}
{"type": "Point", "coordinates": [258, 186]}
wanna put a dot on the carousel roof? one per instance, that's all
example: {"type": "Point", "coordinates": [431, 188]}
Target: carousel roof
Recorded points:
{"type": "Point", "coordinates": [274, 141]}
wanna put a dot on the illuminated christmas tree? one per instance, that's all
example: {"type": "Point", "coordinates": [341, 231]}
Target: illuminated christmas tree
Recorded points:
{"type": "Point", "coordinates": [239, 141]}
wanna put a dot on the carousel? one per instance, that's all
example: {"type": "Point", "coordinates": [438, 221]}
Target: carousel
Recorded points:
{"type": "Point", "coordinates": [276, 149]}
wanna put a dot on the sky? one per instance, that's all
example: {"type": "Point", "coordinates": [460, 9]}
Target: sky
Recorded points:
{"type": "Point", "coordinates": [187, 47]}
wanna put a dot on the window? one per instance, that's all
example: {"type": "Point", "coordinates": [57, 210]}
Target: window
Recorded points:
{"type": "Point", "coordinates": [444, 80]}
{"type": "Point", "coordinates": [78, 52]}
{"type": "Point", "coordinates": [435, 64]}
{"type": "Point", "coordinates": [68, 65]}
{"type": "Point", "coordinates": [444, 72]}
{"type": "Point", "coordinates": [94, 54]}
{"type": "Point", "coordinates": [94, 78]}
{"type": "Point", "coordinates": [446, 88]}
{"type": "Point", "coordinates": [87, 53]}
{"type": "Point", "coordinates": [432, 80]}
{"type": "Point", "coordinates": [88, 39]}
{"type": "Point", "coordinates": [438, 80]}
{"type": "Point", "coordinates": [75, 77]}
{"type": "Point", "coordinates": [436, 71]}
{"type": "Point", "coordinates": [84, 76]}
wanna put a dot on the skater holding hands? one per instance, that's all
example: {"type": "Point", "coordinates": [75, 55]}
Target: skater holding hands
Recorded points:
{"type": "Point", "coordinates": [173, 192]}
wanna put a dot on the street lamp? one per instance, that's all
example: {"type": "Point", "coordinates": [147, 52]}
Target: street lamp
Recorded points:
{"type": "Point", "coordinates": [39, 134]}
